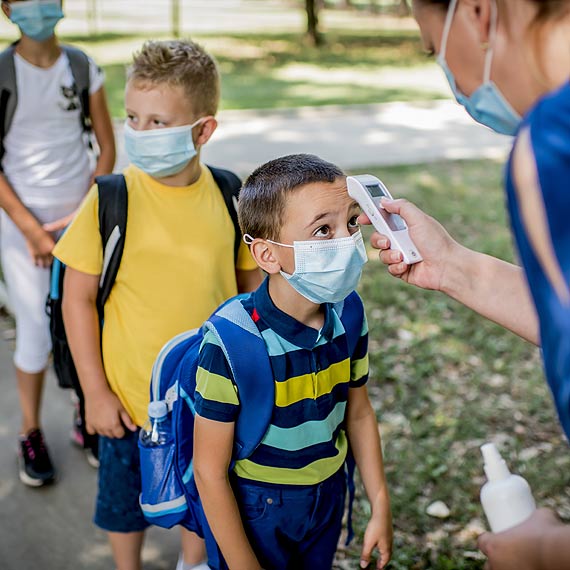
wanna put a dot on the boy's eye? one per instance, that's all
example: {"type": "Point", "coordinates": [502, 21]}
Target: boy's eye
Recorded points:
{"type": "Point", "coordinates": [131, 118]}
{"type": "Point", "coordinates": [158, 123]}
{"type": "Point", "coordinates": [353, 222]}
{"type": "Point", "coordinates": [323, 231]}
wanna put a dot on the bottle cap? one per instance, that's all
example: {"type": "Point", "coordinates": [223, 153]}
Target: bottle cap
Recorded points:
{"type": "Point", "coordinates": [495, 466]}
{"type": "Point", "coordinates": [157, 409]}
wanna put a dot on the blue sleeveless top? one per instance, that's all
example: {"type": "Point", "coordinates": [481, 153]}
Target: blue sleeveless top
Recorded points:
{"type": "Point", "coordinates": [549, 123]}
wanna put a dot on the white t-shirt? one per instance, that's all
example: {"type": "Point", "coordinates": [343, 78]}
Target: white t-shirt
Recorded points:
{"type": "Point", "coordinates": [46, 159]}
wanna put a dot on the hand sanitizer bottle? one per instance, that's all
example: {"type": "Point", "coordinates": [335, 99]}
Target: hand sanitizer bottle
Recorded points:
{"type": "Point", "coordinates": [506, 498]}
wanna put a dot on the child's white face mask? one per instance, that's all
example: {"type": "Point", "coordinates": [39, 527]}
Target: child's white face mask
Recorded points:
{"type": "Point", "coordinates": [326, 271]}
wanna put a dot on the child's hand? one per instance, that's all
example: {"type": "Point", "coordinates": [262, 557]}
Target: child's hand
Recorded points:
{"type": "Point", "coordinates": [40, 245]}
{"type": "Point", "coordinates": [61, 224]}
{"type": "Point", "coordinates": [105, 415]}
{"type": "Point", "coordinates": [379, 534]}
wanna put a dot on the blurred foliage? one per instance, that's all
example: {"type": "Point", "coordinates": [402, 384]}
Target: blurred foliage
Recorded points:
{"type": "Point", "coordinates": [274, 70]}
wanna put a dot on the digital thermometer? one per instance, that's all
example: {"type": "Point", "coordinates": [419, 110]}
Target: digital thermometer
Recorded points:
{"type": "Point", "coordinates": [367, 190]}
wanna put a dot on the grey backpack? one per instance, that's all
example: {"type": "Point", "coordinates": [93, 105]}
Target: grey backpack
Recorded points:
{"type": "Point", "coordinates": [79, 64]}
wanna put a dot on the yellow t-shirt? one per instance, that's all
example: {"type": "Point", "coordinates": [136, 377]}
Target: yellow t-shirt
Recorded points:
{"type": "Point", "coordinates": [177, 267]}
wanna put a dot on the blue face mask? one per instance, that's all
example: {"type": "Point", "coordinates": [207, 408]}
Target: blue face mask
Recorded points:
{"type": "Point", "coordinates": [327, 271]}
{"type": "Point", "coordinates": [486, 104]}
{"type": "Point", "coordinates": [36, 18]}
{"type": "Point", "coordinates": [161, 152]}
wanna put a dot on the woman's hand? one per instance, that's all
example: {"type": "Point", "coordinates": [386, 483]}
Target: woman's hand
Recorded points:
{"type": "Point", "coordinates": [431, 238]}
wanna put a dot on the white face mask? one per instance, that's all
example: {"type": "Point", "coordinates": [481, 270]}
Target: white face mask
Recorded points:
{"type": "Point", "coordinates": [161, 152]}
{"type": "Point", "coordinates": [326, 271]}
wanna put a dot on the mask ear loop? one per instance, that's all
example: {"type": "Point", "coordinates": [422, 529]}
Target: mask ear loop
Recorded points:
{"type": "Point", "coordinates": [447, 29]}
{"type": "Point", "coordinates": [492, 37]}
{"type": "Point", "coordinates": [248, 239]}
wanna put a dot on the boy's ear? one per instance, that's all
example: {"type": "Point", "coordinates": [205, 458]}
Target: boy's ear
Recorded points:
{"type": "Point", "coordinates": [263, 254]}
{"type": "Point", "coordinates": [207, 128]}
{"type": "Point", "coordinates": [6, 9]}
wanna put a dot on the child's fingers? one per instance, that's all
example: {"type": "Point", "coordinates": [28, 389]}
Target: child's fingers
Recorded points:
{"type": "Point", "coordinates": [126, 419]}
{"type": "Point", "coordinates": [385, 555]}
{"type": "Point", "coordinates": [367, 547]}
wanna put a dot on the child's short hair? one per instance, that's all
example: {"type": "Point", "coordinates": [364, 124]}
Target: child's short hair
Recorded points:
{"type": "Point", "coordinates": [263, 197]}
{"type": "Point", "coordinates": [180, 63]}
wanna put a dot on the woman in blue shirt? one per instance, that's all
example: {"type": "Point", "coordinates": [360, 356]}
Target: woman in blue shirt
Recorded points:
{"type": "Point", "coordinates": [508, 63]}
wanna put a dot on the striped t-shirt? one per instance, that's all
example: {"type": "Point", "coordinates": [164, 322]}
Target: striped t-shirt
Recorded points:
{"type": "Point", "coordinates": [313, 371]}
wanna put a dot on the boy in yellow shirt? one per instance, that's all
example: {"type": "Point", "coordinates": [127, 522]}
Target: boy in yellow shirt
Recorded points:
{"type": "Point", "coordinates": [177, 266]}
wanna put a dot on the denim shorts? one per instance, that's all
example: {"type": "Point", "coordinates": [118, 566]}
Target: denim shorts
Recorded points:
{"type": "Point", "coordinates": [117, 508]}
{"type": "Point", "coordinates": [291, 527]}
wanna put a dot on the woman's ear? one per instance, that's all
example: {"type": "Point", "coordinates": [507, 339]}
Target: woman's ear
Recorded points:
{"type": "Point", "coordinates": [264, 256]}
{"type": "Point", "coordinates": [480, 13]}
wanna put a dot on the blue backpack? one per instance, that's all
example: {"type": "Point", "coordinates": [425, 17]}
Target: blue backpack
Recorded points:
{"type": "Point", "coordinates": [169, 495]}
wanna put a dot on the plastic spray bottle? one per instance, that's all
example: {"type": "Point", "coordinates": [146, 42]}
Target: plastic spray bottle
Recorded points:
{"type": "Point", "coordinates": [506, 498]}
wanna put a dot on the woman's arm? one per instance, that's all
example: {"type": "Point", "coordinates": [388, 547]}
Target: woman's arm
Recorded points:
{"type": "Point", "coordinates": [362, 430]}
{"type": "Point", "coordinates": [495, 289]}
{"type": "Point", "coordinates": [213, 444]}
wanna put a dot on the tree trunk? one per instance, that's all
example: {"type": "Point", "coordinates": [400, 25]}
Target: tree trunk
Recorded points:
{"type": "Point", "coordinates": [312, 9]}
{"type": "Point", "coordinates": [404, 9]}
{"type": "Point", "coordinates": [176, 18]}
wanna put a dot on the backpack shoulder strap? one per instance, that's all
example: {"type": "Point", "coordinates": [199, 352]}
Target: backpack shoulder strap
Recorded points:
{"type": "Point", "coordinates": [113, 208]}
{"type": "Point", "coordinates": [234, 327]}
{"type": "Point", "coordinates": [79, 63]}
{"type": "Point", "coordinates": [8, 93]}
{"type": "Point", "coordinates": [230, 185]}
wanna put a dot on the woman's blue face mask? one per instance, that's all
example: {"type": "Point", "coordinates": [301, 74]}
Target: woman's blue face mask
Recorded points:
{"type": "Point", "coordinates": [486, 104]}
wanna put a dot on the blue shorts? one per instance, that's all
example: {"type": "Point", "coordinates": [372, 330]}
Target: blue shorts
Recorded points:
{"type": "Point", "coordinates": [292, 527]}
{"type": "Point", "coordinates": [117, 508]}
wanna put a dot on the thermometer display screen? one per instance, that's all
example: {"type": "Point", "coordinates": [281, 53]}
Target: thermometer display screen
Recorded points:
{"type": "Point", "coordinates": [395, 222]}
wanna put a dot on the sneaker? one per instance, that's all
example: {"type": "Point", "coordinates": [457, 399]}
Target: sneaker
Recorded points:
{"type": "Point", "coordinates": [76, 436]}
{"type": "Point", "coordinates": [36, 468]}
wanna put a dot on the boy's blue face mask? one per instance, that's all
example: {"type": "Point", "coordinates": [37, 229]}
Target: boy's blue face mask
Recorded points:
{"type": "Point", "coordinates": [486, 105]}
{"type": "Point", "coordinates": [161, 152]}
{"type": "Point", "coordinates": [36, 18]}
{"type": "Point", "coordinates": [327, 271]}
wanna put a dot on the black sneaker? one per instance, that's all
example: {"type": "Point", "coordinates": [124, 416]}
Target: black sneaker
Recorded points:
{"type": "Point", "coordinates": [36, 468]}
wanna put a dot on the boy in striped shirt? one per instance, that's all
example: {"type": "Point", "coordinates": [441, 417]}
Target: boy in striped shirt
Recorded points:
{"type": "Point", "coordinates": [282, 507]}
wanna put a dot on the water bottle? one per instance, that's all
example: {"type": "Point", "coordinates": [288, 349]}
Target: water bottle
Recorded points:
{"type": "Point", "coordinates": [156, 430]}
{"type": "Point", "coordinates": [506, 498]}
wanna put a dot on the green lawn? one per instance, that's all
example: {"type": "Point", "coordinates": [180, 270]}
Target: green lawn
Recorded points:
{"type": "Point", "coordinates": [444, 381]}
{"type": "Point", "coordinates": [261, 71]}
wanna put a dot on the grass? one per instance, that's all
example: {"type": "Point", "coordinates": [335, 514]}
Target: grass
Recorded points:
{"type": "Point", "coordinates": [444, 381]}
{"type": "Point", "coordinates": [272, 70]}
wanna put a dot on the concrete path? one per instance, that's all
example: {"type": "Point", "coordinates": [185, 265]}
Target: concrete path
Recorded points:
{"type": "Point", "coordinates": [353, 137]}
{"type": "Point", "coordinates": [50, 528]}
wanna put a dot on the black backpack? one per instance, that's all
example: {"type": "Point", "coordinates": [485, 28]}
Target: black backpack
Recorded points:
{"type": "Point", "coordinates": [113, 208]}
{"type": "Point", "coordinates": [79, 63]}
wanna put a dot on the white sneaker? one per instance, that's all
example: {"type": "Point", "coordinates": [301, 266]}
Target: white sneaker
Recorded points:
{"type": "Point", "coordinates": [181, 565]}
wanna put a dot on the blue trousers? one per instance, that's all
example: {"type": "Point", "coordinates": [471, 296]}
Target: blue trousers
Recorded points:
{"type": "Point", "coordinates": [291, 527]}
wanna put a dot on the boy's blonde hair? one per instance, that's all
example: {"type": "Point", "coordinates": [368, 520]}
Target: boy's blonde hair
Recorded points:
{"type": "Point", "coordinates": [179, 63]}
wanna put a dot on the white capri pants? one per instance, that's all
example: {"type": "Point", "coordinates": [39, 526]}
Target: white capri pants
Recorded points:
{"type": "Point", "coordinates": [28, 287]}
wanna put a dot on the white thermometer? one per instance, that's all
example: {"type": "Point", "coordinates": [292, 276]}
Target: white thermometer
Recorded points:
{"type": "Point", "coordinates": [367, 190]}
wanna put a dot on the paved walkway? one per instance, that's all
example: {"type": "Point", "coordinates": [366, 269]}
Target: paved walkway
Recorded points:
{"type": "Point", "coordinates": [353, 137]}
{"type": "Point", "coordinates": [50, 528]}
